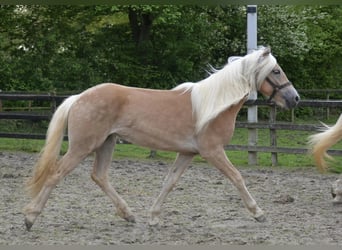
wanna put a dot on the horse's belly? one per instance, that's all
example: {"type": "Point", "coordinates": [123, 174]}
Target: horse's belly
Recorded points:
{"type": "Point", "coordinates": [158, 140]}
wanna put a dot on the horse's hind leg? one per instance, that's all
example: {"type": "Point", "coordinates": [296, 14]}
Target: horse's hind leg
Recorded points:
{"type": "Point", "coordinates": [67, 163]}
{"type": "Point", "coordinates": [100, 176]}
{"type": "Point", "coordinates": [336, 191]}
{"type": "Point", "coordinates": [179, 166]}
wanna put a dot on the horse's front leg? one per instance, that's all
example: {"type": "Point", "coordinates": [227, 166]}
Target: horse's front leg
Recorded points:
{"type": "Point", "coordinates": [179, 166]}
{"type": "Point", "coordinates": [218, 158]}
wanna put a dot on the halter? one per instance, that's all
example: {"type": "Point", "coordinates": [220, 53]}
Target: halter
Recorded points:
{"type": "Point", "coordinates": [276, 88]}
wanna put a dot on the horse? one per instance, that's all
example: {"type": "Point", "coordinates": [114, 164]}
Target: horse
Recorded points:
{"type": "Point", "coordinates": [319, 144]}
{"type": "Point", "coordinates": [194, 118]}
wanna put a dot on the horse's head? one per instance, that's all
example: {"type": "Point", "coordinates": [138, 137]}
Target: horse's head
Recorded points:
{"type": "Point", "coordinates": [277, 88]}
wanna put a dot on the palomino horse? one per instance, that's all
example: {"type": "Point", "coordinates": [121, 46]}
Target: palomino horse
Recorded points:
{"type": "Point", "coordinates": [319, 144]}
{"type": "Point", "coordinates": [191, 119]}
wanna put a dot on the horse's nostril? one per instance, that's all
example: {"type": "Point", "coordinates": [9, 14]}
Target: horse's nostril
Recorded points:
{"type": "Point", "coordinates": [297, 98]}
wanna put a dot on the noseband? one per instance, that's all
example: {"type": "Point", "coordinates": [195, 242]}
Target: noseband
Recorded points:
{"type": "Point", "coordinates": [276, 88]}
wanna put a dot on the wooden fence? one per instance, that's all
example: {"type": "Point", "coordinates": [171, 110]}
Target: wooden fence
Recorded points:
{"type": "Point", "coordinates": [271, 125]}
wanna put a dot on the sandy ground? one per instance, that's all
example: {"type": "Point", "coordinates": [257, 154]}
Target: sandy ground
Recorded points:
{"type": "Point", "coordinates": [204, 208]}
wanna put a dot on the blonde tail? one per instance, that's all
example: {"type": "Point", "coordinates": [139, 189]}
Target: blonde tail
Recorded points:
{"type": "Point", "coordinates": [321, 142]}
{"type": "Point", "coordinates": [49, 154]}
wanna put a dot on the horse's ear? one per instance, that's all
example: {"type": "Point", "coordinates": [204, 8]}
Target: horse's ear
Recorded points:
{"type": "Point", "coordinates": [267, 52]}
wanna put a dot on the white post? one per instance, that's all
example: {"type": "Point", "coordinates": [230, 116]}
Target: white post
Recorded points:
{"type": "Point", "coordinates": [252, 110]}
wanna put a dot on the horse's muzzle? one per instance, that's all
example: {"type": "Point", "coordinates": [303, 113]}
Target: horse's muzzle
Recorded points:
{"type": "Point", "coordinates": [291, 98]}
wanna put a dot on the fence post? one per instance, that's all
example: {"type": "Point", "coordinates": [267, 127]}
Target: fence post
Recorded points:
{"type": "Point", "coordinates": [252, 110]}
{"type": "Point", "coordinates": [53, 102]}
{"type": "Point", "coordinates": [153, 154]}
{"type": "Point", "coordinates": [328, 109]}
{"type": "Point", "coordinates": [30, 105]}
{"type": "Point", "coordinates": [252, 134]}
{"type": "Point", "coordinates": [273, 135]}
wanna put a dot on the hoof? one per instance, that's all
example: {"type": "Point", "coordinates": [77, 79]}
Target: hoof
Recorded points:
{"type": "Point", "coordinates": [153, 222]}
{"type": "Point", "coordinates": [28, 224]}
{"type": "Point", "coordinates": [130, 218]}
{"type": "Point", "coordinates": [337, 200]}
{"type": "Point", "coordinates": [261, 218]}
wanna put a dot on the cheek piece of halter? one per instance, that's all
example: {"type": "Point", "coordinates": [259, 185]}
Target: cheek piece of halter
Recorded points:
{"type": "Point", "coordinates": [276, 88]}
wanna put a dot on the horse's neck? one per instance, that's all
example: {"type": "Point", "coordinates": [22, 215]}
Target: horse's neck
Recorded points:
{"type": "Point", "coordinates": [229, 115]}
{"type": "Point", "coordinates": [221, 128]}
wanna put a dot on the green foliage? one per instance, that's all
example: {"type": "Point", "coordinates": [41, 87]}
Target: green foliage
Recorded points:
{"type": "Point", "coordinates": [70, 48]}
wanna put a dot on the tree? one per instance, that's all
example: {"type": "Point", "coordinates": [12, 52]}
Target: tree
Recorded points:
{"type": "Point", "coordinates": [70, 48]}
{"type": "Point", "coordinates": [307, 42]}
{"type": "Point", "coordinates": [324, 59]}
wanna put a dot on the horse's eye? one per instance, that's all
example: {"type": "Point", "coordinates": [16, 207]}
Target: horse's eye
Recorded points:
{"type": "Point", "coordinates": [276, 71]}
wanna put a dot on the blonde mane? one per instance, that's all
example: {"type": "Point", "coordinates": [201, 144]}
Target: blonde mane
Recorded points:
{"type": "Point", "coordinates": [228, 86]}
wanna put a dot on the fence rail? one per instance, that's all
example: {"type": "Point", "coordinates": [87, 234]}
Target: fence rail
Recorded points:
{"type": "Point", "coordinates": [272, 125]}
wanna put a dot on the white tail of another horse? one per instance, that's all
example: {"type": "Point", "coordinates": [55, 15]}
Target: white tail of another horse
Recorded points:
{"type": "Point", "coordinates": [322, 141]}
{"type": "Point", "coordinates": [49, 154]}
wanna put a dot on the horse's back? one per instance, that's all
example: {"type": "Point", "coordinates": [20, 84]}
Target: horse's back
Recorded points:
{"type": "Point", "coordinates": [160, 119]}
